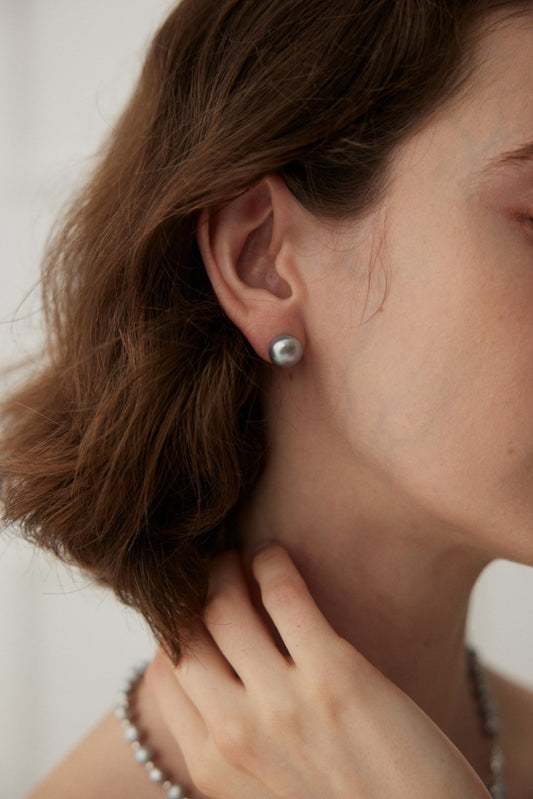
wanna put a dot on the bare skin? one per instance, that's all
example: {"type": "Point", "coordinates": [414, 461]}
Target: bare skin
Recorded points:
{"type": "Point", "coordinates": [103, 765]}
{"type": "Point", "coordinates": [401, 447]}
{"type": "Point", "coordinates": [324, 721]}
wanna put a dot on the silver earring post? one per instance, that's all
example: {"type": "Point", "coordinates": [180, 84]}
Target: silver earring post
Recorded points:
{"type": "Point", "coordinates": [286, 351]}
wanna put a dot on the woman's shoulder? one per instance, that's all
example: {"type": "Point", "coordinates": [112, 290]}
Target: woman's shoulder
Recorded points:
{"type": "Point", "coordinates": [103, 764]}
{"type": "Point", "coordinates": [515, 708]}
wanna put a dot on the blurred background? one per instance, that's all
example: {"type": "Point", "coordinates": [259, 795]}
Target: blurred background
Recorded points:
{"type": "Point", "coordinates": [66, 70]}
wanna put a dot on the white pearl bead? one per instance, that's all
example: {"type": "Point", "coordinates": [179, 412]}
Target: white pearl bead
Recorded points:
{"type": "Point", "coordinates": [121, 713]}
{"type": "Point", "coordinates": [156, 775]}
{"type": "Point", "coordinates": [286, 351]}
{"type": "Point", "coordinates": [176, 792]}
{"type": "Point", "coordinates": [143, 754]}
{"type": "Point", "coordinates": [131, 733]}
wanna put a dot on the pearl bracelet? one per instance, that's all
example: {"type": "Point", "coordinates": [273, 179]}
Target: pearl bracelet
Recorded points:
{"type": "Point", "coordinates": [133, 735]}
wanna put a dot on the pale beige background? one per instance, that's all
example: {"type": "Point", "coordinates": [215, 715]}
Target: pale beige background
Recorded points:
{"type": "Point", "coordinates": [65, 69]}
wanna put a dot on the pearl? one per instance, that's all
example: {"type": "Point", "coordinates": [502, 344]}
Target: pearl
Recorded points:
{"type": "Point", "coordinates": [123, 699]}
{"type": "Point", "coordinates": [131, 733]}
{"type": "Point", "coordinates": [175, 792]}
{"type": "Point", "coordinates": [143, 754]}
{"type": "Point", "coordinates": [497, 761]}
{"type": "Point", "coordinates": [156, 775]}
{"type": "Point", "coordinates": [286, 351]}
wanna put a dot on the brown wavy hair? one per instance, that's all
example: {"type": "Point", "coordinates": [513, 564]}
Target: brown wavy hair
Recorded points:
{"type": "Point", "coordinates": [130, 447]}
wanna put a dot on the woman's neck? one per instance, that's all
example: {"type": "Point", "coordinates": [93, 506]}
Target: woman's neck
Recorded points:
{"type": "Point", "coordinates": [394, 589]}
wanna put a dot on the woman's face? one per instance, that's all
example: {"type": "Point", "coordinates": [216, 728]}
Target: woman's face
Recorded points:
{"type": "Point", "coordinates": [436, 385]}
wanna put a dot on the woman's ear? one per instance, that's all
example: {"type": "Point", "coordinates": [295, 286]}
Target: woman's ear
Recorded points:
{"type": "Point", "coordinates": [248, 252]}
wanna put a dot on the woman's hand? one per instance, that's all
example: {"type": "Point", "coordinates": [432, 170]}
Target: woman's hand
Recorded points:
{"type": "Point", "coordinates": [318, 722]}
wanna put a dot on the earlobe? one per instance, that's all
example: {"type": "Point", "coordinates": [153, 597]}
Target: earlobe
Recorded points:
{"type": "Point", "coordinates": [245, 249]}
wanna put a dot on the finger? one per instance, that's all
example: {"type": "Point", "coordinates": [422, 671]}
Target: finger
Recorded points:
{"type": "Point", "coordinates": [207, 678]}
{"type": "Point", "coordinates": [237, 628]}
{"type": "Point", "coordinates": [207, 769]}
{"type": "Point", "coordinates": [302, 626]}
{"type": "Point", "coordinates": [178, 711]}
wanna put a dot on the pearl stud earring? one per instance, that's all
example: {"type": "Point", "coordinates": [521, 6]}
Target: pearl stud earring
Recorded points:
{"type": "Point", "coordinates": [286, 351]}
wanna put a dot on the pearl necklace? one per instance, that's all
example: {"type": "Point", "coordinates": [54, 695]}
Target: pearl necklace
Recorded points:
{"type": "Point", "coordinates": [133, 735]}
{"type": "Point", "coordinates": [490, 723]}
{"type": "Point", "coordinates": [145, 756]}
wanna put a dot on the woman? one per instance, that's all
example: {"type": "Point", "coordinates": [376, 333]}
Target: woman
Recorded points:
{"type": "Point", "coordinates": [293, 306]}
